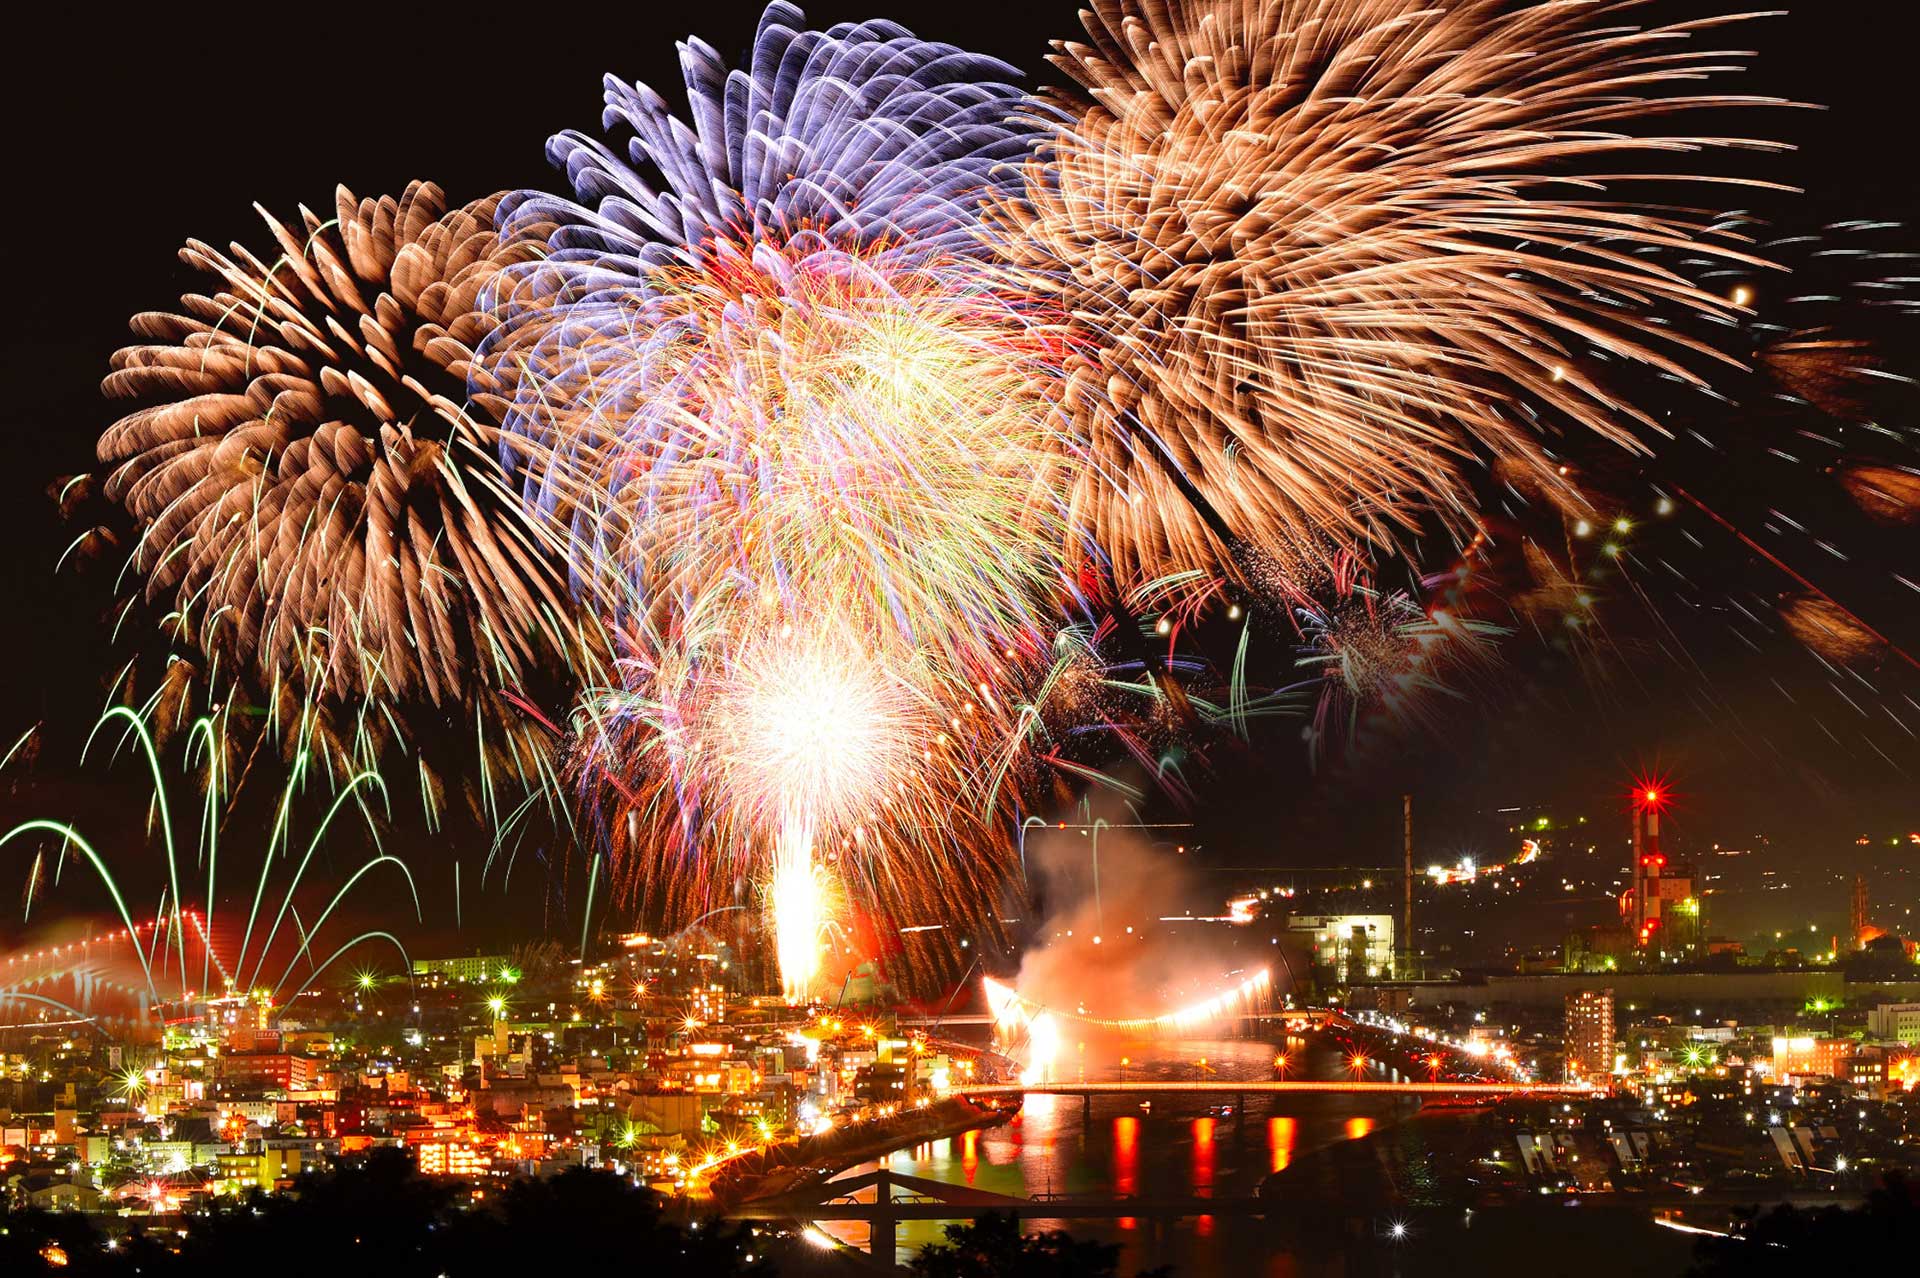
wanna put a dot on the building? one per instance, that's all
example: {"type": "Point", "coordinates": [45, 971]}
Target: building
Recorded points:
{"type": "Point", "coordinates": [263, 1170]}
{"type": "Point", "coordinates": [269, 1071]}
{"type": "Point", "coordinates": [706, 1074]}
{"type": "Point", "coordinates": [1805, 1057]}
{"type": "Point", "coordinates": [452, 1158]}
{"type": "Point", "coordinates": [1348, 947]}
{"type": "Point", "coordinates": [1895, 1023]}
{"type": "Point", "coordinates": [475, 968]}
{"type": "Point", "coordinates": [1589, 1035]}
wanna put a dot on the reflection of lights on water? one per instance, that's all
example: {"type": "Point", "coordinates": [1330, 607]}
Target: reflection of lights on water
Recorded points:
{"type": "Point", "coordinates": [1126, 1154]}
{"type": "Point", "coordinates": [1281, 1133]}
{"type": "Point", "coordinates": [1203, 1171]}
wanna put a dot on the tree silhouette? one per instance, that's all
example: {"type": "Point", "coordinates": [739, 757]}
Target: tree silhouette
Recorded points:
{"type": "Point", "coordinates": [377, 1216]}
{"type": "Point", "coordinates": [994, 1247]}
{"type": "Point", "coordinates": [1789, 1241]}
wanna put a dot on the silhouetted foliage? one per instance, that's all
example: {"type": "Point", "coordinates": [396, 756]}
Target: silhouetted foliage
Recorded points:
{"type": "Point", "coordinates": [378, 1216]}
{"type": "Point", "coordinates": [1792, 1241]}
{"type": "Point", "coordinates": [27, 1235]}
{"type": "Point", "coordinates": [994, 1247]}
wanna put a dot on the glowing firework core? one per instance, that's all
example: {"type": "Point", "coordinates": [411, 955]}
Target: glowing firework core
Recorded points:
{"type": "Point", "coordinates": [808, 732]}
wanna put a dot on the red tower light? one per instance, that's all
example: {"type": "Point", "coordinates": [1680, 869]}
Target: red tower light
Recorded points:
{"type": "Point", "coordinates": [1650, 793]}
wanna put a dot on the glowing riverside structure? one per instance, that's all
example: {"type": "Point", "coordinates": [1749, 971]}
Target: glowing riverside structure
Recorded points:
{"type": "Point", "coordinates": [1278, 1085]}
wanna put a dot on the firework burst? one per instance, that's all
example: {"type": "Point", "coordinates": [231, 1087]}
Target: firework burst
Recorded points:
{"type": "Point", "coordinates": [807, 457]}
{"type": "Point", "coordinates": [1319, 254]}
{"type": "Point", "coordinates": [1383, 655]}
{"type": "Point", "coordinates": [322, 521]}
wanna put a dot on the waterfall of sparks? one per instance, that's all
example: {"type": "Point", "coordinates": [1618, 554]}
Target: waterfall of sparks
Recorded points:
{"type": "Point", "coordinates": [1014, 1017]}
{"type": "Point", "coordinates": [1043, 1048]}
{"type": "Point", "coordinates": [800, 909]}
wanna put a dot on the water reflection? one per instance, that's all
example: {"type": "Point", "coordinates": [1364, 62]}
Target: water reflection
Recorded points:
{"type": "Point", "coordinates": [1282, 1131]}
{"type": "Point", "coordinates": [1126, 1160]}
{"type": "Point", "coordinates": [1202, 1157]}
{"type": "Point", "coordinates": [1173, 1150]}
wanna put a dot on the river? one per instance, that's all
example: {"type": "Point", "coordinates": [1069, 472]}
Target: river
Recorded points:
{"type": "Point", "coordinates": [1173, 1150]}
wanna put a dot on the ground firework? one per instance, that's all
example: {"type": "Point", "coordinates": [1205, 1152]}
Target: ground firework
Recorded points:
{"type": "Point", "coordinates": [1322, 253]}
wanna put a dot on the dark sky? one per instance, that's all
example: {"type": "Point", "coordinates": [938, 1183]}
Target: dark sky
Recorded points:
{"type": "Point", "coordinates": [130, 134]}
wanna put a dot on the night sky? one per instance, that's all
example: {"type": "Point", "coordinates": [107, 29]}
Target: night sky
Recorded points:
{"type": "Point", "coordinates": [132, 134]}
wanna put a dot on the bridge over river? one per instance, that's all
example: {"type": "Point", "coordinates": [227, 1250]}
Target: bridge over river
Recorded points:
{"type": "Point", "coordinates": [884, 1198]}
{"type": "Point", "coordinates": [1240, 1090]}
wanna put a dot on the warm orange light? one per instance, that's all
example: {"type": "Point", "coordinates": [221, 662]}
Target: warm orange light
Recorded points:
{"type": "Point", "coordinates": [1280, 1139]}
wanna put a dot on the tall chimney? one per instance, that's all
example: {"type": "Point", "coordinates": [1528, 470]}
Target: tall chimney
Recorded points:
{"type": "Point", "coordinates": [1406, 882]}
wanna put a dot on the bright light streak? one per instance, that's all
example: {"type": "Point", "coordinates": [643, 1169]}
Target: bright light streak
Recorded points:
{"type": "Point", "coordinates": [798, 898]}
{"type": "Point", "coordinates": [1009, 1008]}
{"type": "Point", "coordinates": [1043, 1049]}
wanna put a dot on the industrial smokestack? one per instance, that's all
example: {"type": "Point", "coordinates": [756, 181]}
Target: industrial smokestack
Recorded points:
{"type": "Point", "coordinates": [1406, 881]}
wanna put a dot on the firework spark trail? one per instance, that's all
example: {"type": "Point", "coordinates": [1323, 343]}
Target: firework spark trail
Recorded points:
{"type": "Point", "coordinates": [1841, 609]}
{"type": "Point", "coordinates": [1320, 253]}
{"type": "Point", "coordinates": [801, 904]}
{"type": "Point", "coordinates": [1383, 653]}
{"type": "Point", "coordinates": [175, 916]}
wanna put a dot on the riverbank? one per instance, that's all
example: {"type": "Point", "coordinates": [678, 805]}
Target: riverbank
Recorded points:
{"type": "Point", "coordinates": [784, 1169]}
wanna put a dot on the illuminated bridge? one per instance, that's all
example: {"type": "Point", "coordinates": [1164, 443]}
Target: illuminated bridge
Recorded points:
{"type": "Point", "coordinates": [1239, 1091]}
{"type": "Point", "coordinates": [1294, 1017]}
{"type": "Point", "coordinates": [893, 1198]}
{"type": "Point", "coordinates": [1087, 1091]}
